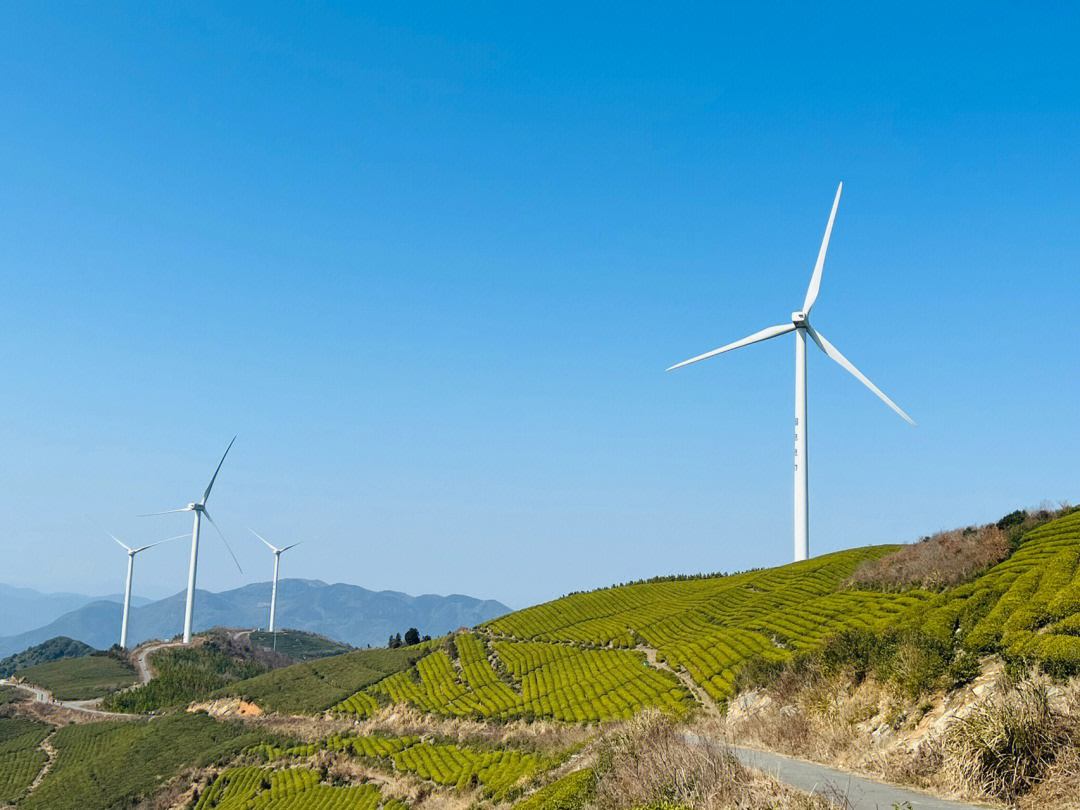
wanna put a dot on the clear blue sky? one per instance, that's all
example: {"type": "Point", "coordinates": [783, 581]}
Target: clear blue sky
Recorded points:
{"type": "Point", "coordinates": [431, 263]}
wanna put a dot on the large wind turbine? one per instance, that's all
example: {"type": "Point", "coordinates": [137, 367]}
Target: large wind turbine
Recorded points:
{"type": "Point", "coordinates": [200, 511]}
{"type": "Point", "coordinates": [127, 588]}
{"type": "Point", "coordinates": [277, 560]}
{"type": "Point", "coordinates": [800, 324]}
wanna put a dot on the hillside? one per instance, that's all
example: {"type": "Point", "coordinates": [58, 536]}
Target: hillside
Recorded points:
{"type": "Point", "coordinates": [298, 645]}
{"type": "Point", "coordinates": [51, 650]}
{"type": "Point", "coordinates": [532, 705]}
{"type": "Point", "coordinates": [346, 613]}
{"type": "Point", "coordinates": [586, 657]}
{"type": "Point", "coordinates": [84, 678]}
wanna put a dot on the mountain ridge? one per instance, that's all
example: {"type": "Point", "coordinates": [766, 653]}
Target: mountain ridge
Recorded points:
{"type": "Point", "coordinates": [344, 612]}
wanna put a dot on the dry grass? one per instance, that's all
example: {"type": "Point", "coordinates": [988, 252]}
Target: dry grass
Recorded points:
{"type": "Point", "coordinates": [1007, 744]}
{"type": "Point", "coordinates": [951, 557]}
{"type": "Point", "coordinates": [1015, 742]}
{"type": "Point", "coordinates": [935, 562]}
{"type": "Point", "coordinates": [535, 736]}
{"type": "Point", "coordinates": [652, 761]}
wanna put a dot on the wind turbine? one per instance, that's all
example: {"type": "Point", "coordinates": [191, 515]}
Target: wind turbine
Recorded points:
{"type": "Point", "coordinates": [127, 588]}
{"type": "Point", "coordinates": [277, 560]}
{"type": "Point", "coordinates": [800, 324]}
{"type": "Point", "coordinates": [200, 511]}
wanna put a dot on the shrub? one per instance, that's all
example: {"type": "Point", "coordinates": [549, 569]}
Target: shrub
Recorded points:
{"type": "Point", "coordinates": [1005, 745]}
{"type": "Point", "coordinates": [572, 792]}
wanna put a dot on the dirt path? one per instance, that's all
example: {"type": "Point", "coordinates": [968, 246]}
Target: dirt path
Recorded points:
{"type": "Point", "coordinates": [50, 752]}
{"type": "Point", "coordinates": [700, 695]}
{"type": "Point", "coordinates": [142, 664]}
{"type": "Point", "coordinates": [863, 793]}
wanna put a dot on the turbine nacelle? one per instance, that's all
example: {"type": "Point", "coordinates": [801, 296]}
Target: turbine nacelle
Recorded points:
{"type": "Point", "coordinates": [799, 319]}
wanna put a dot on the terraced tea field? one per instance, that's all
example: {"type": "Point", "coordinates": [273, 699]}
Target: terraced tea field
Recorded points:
{"type": "Point", "coordinates": [1027, 607]}
{"type": "Point", "coordinates": [583, 658]}
{"type": "Point", "coordinates": [292, 789]}
{"type": "Point", "coordinates": [20, 757]}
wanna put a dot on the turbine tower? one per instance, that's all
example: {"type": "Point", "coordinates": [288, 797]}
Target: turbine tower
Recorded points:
{"type": "Point", "coordinates": [800, 324]}
{"type": "Point", "coordinates": [277, 560]}
{"type": "Point", "coordinates": [131, 552]}
{"type": "Point", "coordinates": [200, 511]}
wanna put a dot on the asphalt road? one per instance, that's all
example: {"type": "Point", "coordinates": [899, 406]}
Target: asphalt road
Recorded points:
{"type": "Point", "coordinates": [862, 793]}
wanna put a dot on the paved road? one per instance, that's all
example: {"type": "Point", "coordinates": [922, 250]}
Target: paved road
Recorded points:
{"type": "Point", "coordinates": [862, 793]}
{"type": "Point", "coordinates": [45, 696]}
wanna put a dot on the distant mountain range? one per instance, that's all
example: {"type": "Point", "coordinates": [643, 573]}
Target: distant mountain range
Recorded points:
{"type": "Point", "coordinates": [347, 613]}
{"type": "Point", "coordinates": [23, 609]}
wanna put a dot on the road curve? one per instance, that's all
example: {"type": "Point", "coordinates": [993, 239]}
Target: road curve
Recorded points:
{"type": "Point", "coordinates": [86, 706]}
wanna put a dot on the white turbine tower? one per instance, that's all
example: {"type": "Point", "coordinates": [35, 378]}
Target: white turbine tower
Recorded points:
{"type": "Point", "coordinates": [277, 561]}
{"type": "Point", "coordinates": [800, 324]}
{"type": "Point", "coordinates": [200, 511]}
{"type": "Point", "coordinates": [131, 552]}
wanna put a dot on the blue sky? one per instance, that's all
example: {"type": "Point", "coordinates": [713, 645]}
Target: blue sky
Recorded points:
{"type": "Point", "coordinates": [431, 262]}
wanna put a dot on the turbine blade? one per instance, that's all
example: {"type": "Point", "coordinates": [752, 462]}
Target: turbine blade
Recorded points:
{"type": "Point", "coordinates": [272, 548]}
{"type": "Point", "coordinates": [212, 479]}
{"type": "Point", "coordinates": [223, 540]}
{"type": "Point", "coordinates": [171, 511]}
{"type": "Point", "coordinates": [117, 539]}
{"type": "Point", "coordinates": [834, 353]}
{"type": "Point", "coordinates": [159, 542]}
{"type": "Point", "coordinates": [294, 545]}
{"type": "Point", "coordinates": [764, 334]}
{"type": "Point", "coordinates": [815, 280]}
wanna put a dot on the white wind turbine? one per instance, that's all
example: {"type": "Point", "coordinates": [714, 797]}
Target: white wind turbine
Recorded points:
{"type": "Point", "coordinates": [131, 552]}
{"type": "Point", "coordinates": [800, 324]}
{"type": "Point", "coordinates": [200, 511]}
{"type": "Point", "coordinates": [277, 561]}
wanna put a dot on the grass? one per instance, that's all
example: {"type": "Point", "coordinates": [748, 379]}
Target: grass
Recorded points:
{"type": "Point", "coordinates": [85, 678]}
{"type": "Point", "coordinates": [298, 645]}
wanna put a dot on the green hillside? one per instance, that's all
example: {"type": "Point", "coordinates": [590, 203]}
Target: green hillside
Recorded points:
{"type": "Point", "coordinates": [582, 659]}
{"type": "Point", "coordinates": [51, 650]}
{"type": "Point", "coordinates": [81, 678]}
{"type": "Point", "coordinates": [298, 645]}
{"type": "Point", "coordinates": [585, 657]}
{"type": "Point", "coordinates": [1027, 608]}
{"type": "Point", "coordinates": [315, 686]}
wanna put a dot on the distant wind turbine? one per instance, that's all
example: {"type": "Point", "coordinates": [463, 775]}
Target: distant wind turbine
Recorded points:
{"type": "Point", "coordinates": [131, 552]}
{"type": "Point", "coordinates": [200, 511]}
{"type": "Point", "coordinates": [800, 324]}
{"type": "Point", "coordinates": [277, 560]}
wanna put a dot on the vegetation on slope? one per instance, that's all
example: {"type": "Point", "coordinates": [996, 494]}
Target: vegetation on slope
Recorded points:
{"type": "Point", "coordinates": [84, 678]}
{"type": "Point", "coordinates": [952, 557]}
{"type": "Point", "coordinates": [51, 650]}
{"type": "Point", "coordinates": [20, 757]}
{"type": "Point", "coordinates": [315, 686]}
{"type": "Point", "coordinates": [112, 764]}
{"type": "Point", "coordinates": [194, 673]}
{"type": "Point", "coordinates": [299, 645]}
{"type": "Point", "coordinates": [246, 787]}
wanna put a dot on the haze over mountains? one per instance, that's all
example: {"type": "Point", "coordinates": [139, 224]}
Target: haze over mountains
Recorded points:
{"type": "Point", "coordinates": [348, 613]}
